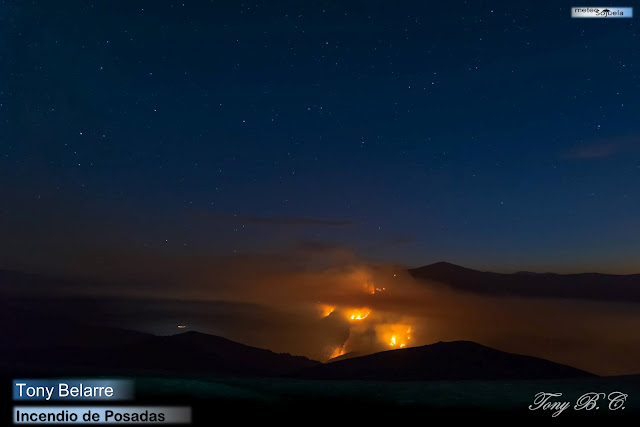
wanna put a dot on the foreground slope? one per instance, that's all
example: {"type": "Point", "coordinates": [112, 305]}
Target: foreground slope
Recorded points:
{"type": "Point", "coordinates": [458, 360]}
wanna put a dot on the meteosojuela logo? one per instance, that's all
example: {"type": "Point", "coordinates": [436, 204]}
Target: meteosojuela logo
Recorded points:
{"type": "Point", "coordinates": [602, 12]}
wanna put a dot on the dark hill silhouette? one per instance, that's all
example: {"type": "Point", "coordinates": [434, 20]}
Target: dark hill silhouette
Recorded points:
{"type": "Point", "coordinates": [458, 360]}
{"type": "Point", "coordinates": [35, 345]}
{"type": "Point", "coordinates": [198, 352]}
{"type": "Point", "coordinates": [591, 286]}
{"type": "Point", "coordinates": [346, 356]}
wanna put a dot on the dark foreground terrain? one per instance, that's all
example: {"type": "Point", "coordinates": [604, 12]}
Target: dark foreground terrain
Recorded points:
{"type": "Point", "coordinates": [442, 361]}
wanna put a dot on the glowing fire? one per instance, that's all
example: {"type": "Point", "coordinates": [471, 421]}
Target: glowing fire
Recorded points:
{"type": "Point", "coordinates": [394, 335]}
{"type": "Point", "coordinates": [325, 310]}
{"type": "Point", "coordinates": [337, 352]}
{"type": "Point", "coordinates": [359, 314]}
{"type": "Point", "coordinates": [374, 290]}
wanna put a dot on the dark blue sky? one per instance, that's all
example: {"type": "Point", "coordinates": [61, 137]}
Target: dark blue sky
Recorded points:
{"type": "Point", "coordinates": [498, 135]}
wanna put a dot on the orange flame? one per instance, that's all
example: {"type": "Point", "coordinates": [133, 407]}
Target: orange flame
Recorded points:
{"type": "Point", "coordinates": [339, 351]}
{"type": "Point", "coordinates": [394, 334]}
{"type": "Point", "coordinates": [325, 310]}
{"type": "Point", "coordinates": [374, 290]}
{"type": "Point", "coordinates": [369, 287]}
{"type": "Point", "coordinates": [358, 314]}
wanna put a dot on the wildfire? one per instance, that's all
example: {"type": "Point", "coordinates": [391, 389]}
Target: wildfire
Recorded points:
{"type": "Point", "coordinates": [360, 314]}
{"type": "Point", "coordinates": [337, 352]}
{"type": "Point", "coordinates": [325, 310]}
{"type": "Point", "coordinates": [394, 335]}
{"type": "Point", "coordinates": [375, 290]}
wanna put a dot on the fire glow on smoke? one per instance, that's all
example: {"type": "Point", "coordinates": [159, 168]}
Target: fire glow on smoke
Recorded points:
{"type": "Point", "coordinates": [398, 335]}
{"type": "Point", "coordinates": [365, 323]}
{"type": "Point", "coordinates": [359, 314]}
{"type": "Point", "coordinates": [325, 310]}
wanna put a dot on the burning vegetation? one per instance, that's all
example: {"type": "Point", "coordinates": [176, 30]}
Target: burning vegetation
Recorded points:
{"type": "Point", "coordinates": [398, 335]}
{"type": "Point", "coordinates": [375, 329]}
{"type": "Point", "coordinates": [359, 314]}
{"type": "Point", "coordinates": [325, 310]}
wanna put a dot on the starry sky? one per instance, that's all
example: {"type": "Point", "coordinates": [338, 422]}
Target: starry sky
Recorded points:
{"type": "Point", "coordinates": [496, 135]}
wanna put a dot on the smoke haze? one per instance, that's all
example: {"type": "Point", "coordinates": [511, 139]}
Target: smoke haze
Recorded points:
{"type": "Point", "coordinates": [322, 302]}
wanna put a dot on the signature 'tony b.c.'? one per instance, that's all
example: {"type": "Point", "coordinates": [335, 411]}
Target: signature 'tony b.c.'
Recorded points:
{"type": "Point", "coordinates": [591, 401]}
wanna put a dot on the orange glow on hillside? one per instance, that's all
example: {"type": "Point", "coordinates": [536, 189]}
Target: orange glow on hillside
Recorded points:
{"type": "Point", "coordinates": [394, 335]}
{"type": "Point", "coordinates": [325, 310]}
{"type": "Point", "coordinates": [358, 314]}
{"type": "Point", "coordinates": [337, 352]}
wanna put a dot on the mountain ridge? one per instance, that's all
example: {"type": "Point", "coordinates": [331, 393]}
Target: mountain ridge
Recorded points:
{"type": "Point", "coordinates": [590, 286]}
{"type": "Point", "coordinates": [453, 360]}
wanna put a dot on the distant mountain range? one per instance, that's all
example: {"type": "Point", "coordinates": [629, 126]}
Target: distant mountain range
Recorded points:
{"type": "Point", "coordinates": [590, 286]}
{"type": "Point", "coordinates": [33, 343]}
{"type": "Point", "coordinates": [104, 351]}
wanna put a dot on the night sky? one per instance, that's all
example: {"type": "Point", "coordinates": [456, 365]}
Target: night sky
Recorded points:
{"type": "Point", "coordinates": [496, 135]}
